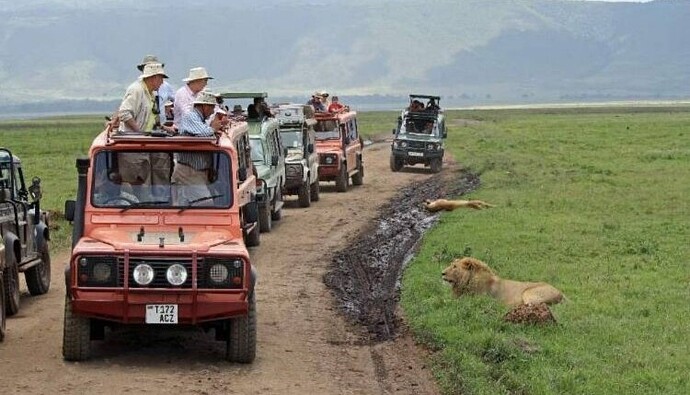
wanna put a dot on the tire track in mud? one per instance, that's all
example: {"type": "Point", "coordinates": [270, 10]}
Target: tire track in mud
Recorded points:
{"type": "Point", "coordinates": [365, 276]}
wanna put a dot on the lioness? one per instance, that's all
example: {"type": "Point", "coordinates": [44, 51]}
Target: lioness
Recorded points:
{"type": "Point", "coordinates": [450, 205]}
{"type": "Point", "coordinates": [470, 275]}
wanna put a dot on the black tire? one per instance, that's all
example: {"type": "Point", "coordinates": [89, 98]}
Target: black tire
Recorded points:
{"type": "Point", "coordinates": [314, 189]}
{"type": "Point", "coordinates": [277, 214]}
{"type": "Point", "coordinates": [241, 343]}
{"type": "Point", "coordinates": [436, 165]}
{"type": "Point", "coordinates": [304, 195]}
{"type": "Point", "coordinates": [76, 335]}
{"type": "Point", "coordinates": [11, 276]}
{"type": "Point", "coordinates": [358, 178]}
{"type": "Point", "coordinates": [3, 313]}
{"type": "Point", "coordinates": [253, 238]}
{"type": "Point", "coordinates": [396, 163]}
{"type": "Point", "coordinates": [38, 277]}
{"type": "Point", "coordinates": [341, 183]}
{"type": "Point", "coordinates": [265, 224]}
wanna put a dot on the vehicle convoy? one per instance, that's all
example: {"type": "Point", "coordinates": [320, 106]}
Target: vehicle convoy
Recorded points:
{"type": "Point", "coordinates": [268, 157]}
{"type": "Point", "coordinates": [302, 162]}
{"type": "Point", "coordinates": [419, 135]}
{"type": "Point", "coordinates": [339, 147]}
{"type": "Point", "coordinates": [25, 236]}
{"type": "Point", "coordinates": [152, 248]}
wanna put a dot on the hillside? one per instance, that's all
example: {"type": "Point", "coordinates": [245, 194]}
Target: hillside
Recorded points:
{"type": "Point", "coordinates": [476, 50]}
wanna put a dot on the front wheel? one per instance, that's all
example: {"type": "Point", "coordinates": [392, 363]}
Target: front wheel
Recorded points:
{"type": "Point", "coordinates": [436, 165]}
{"type": "Point", "coordinates": [253, 238]}
{"type": "Point", "coordinates": [315, 191]}
{"type": "Point", "coordinates": [396, 163]}
{"type": "Point", "coordinates": [76, 336]}
{"type": "Point", "coordinates": [358, 178]}
{"type": "Point", "coordinates": [277, 214]}
{"type": "Point", "coordinates": [341, 182]}
{"type": "Point", "coordinates": [265, 223]}
{"type": "Point", "coordinates": [241, 342]}
{"type": "Point", "coordinates": [3, 314]}
{"type": "Point", "coordinates": [11, 276]}
{"type": "Point", "coordinates": [38, 277]}
{"type": "Point", "coordinates": [304, 194]}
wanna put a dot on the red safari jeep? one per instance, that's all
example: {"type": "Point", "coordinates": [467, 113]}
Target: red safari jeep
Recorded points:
{"type": "Point", "coordinates": [158, 240]}
{"type": "Point", "coordinates": [339, 147]}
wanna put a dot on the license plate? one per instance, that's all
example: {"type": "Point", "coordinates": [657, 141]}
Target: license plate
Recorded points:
{"type": "Point", "coordinates": [412, 153]}
{"type": "Point", "coordinates": [161, 314]}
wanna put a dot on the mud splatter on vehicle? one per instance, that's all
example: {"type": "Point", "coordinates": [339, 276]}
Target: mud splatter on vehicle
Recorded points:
{"type": "Point", "coordinates": [365, 276]}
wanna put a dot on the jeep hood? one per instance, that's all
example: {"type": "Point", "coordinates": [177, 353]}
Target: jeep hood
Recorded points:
{"type": "Point", "coordinates": [294, 155]}
{"type": "Point", "coordinates": [419, 137]}
{"type": "Point", "coordinates": [194, 239]}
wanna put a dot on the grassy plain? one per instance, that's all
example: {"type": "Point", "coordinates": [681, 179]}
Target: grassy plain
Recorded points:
{"type": "Point", "coordinates": [595, 202]}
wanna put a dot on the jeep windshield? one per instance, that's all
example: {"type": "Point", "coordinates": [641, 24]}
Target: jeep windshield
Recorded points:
{"type": "Point", "coordinates": [421, 126]}
{"type": "Point", "coordinates": [292, 138]}
{"type": "Point", "coordinates": [161, 179]}
{"type": "Point", "coordinates": [327, 129]}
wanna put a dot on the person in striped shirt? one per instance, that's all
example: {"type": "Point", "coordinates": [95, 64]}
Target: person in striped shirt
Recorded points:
{"type": "Point", "coordinates": [190, 177]}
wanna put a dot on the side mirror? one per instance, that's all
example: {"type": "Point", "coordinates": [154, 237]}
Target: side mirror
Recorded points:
{"type": "Point", "coordinates": [445, 133]}
{"type": "Point", "coordinates": [274, 160]}
{"type": "Point", "coordinates": [70, 207]}
{"type": "Point", "coordinates": [5, 193]}
{"type": "Point", "coordinates": [35, 189]}
{"type": "Point", "coordinates": [285, 151]}
{"type": "Point", "coordinates": [393, 130]}
{"type": "Point", "coordinates": [242, 174]}
{"type": "Point", "coordinates": [346, 140]}
{"type": "Point", "coordinates": [310, 148]}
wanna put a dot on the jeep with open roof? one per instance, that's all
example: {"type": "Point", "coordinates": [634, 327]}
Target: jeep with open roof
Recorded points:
{"type": "Point", "coordinates": [419, 134]}
{"type": "Point", "coordinates": [268, 156]}
{"type": "Point", "coordinates": [145, 253]}
{"type": "Point", "coordinates": [25, 235]}
{"type": "Point", "coordinates": [301, 163]}
{"type": "Point", "coordinates": [339, 147]}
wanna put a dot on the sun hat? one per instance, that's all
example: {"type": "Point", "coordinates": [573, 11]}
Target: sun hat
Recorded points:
{"type": "Point", "coordinates": [168, 103]}
{"type": "Point", "coordinates": [205, 97]}
{"type": "Point", "coordinates": [197, 73]}
{"type": "Point", "coordinates": [149, 59]}
{"type": "Point", "coordinates": [152, 69]}
{"type": "Point", "coordinates": [237, 108]}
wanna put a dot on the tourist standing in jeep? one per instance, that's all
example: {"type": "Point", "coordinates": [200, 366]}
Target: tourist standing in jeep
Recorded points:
{"type": "Point", "coordinates": [163, 261]}
{"type": "Point", "coordinates": [25, 234]}
{"type": "Point", "coordinates": [339, 147]}
{"type": "Point", "coordinates": [301, 163]}
{"type": "Point", "coordinates": [419, 135]}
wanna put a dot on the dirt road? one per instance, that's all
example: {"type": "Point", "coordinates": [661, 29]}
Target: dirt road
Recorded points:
{"type": "Point", "coordinates": [305, 344]}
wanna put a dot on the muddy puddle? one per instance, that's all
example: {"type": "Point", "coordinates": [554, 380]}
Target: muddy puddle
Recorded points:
{"type": "Point", "coordinates": [365, 276]}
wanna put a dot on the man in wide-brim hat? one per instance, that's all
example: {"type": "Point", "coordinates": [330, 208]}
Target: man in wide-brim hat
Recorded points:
{"type": "Point", "coordinates": [195, 82]}
{"type": "Point", "coordinates": [166, 92]}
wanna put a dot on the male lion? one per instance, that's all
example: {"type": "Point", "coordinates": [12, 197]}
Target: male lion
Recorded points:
{"type": "Point", "coordinates": [470, 275]}
{"type": "Point", "coordinates": [450, 205]}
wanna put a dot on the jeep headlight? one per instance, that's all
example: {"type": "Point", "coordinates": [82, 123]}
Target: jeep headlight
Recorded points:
{"type": "Point", "coordinates": [176, 274]}
{"type": "Point", "coordinates": [403, 144]}
{"type": "Point", "coordinates": [219, 273]}
{"type": "Point", "coordinates": [330, 160]}
{"type": "Point", "coordinates": [102, 271]}
{"type": "Point", "coordinates": [143, 274]}
{"type": "Point", "coordinates": [431, 147]}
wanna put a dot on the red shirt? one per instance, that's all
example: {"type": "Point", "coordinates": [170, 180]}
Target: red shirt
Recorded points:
{"type": "Point", "coordinates": [335, 107]}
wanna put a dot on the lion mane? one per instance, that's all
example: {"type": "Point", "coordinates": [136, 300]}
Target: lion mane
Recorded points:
{"type": "Point", "coordinates": [472, 276]}
{"type": "Point", "coordinates": [450, 205]}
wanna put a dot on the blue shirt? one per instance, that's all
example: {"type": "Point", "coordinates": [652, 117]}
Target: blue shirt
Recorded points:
{"type": "Point", "coordinates": [165, 93]}
{"type": "Point", "coordinates": [194, 124]}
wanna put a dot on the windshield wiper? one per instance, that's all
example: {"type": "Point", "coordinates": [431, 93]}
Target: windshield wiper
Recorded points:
{"type": "Point", "coordinates": [144, 204]}
{"type": "Point", "coordinates": [201, 199]}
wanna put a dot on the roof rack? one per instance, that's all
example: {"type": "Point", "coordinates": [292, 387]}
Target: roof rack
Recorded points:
{"type": "Point", "coordinates": [417, 96]}
{"type": "Point", "coordinates": [243, 95]}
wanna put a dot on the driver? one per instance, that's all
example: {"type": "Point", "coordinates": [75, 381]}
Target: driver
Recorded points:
{"type": "Point", "coordinates": [111, 191]}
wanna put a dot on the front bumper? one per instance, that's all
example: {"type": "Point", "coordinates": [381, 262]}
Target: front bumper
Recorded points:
{"type": "Point", "coordinates": [414, 154]}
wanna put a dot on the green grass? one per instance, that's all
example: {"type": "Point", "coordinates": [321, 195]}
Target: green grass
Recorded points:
{"type": "Point", "coordinates": [48, 148]}
{"type": "Point", "coordinates": [593, 202]}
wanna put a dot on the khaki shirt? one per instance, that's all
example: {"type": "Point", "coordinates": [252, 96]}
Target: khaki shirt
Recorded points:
{"type": "Point", "coordinates": [138, 105]}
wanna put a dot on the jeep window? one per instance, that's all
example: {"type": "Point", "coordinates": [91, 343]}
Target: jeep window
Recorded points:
{"type": "Point", "coordinates": [292, 138]}
{"type": "Point", "coordinates": [161, 179]}
{"type": "Point", "coordinates": [258, 154]}
{"type": "Point", "coordinates": [327, 130]}
{"type": "Point", "coordinates": [6, 177]}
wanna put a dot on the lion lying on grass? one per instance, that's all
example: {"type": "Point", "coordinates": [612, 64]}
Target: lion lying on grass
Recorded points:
{"type": "Point", "coordinates": [450, 205]}
{"type": "Point", "coordinates": [470, 275]}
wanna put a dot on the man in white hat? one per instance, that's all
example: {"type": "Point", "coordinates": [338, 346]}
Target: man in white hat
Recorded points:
{"type": "Point", "coordinates": [190, 177]}
{"type": "Point", "coordinates": [166, 92]}
{"type": "Point", "coordinates": [138, 113]}
{"type": "Point", "coordinates": [184, 97]}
